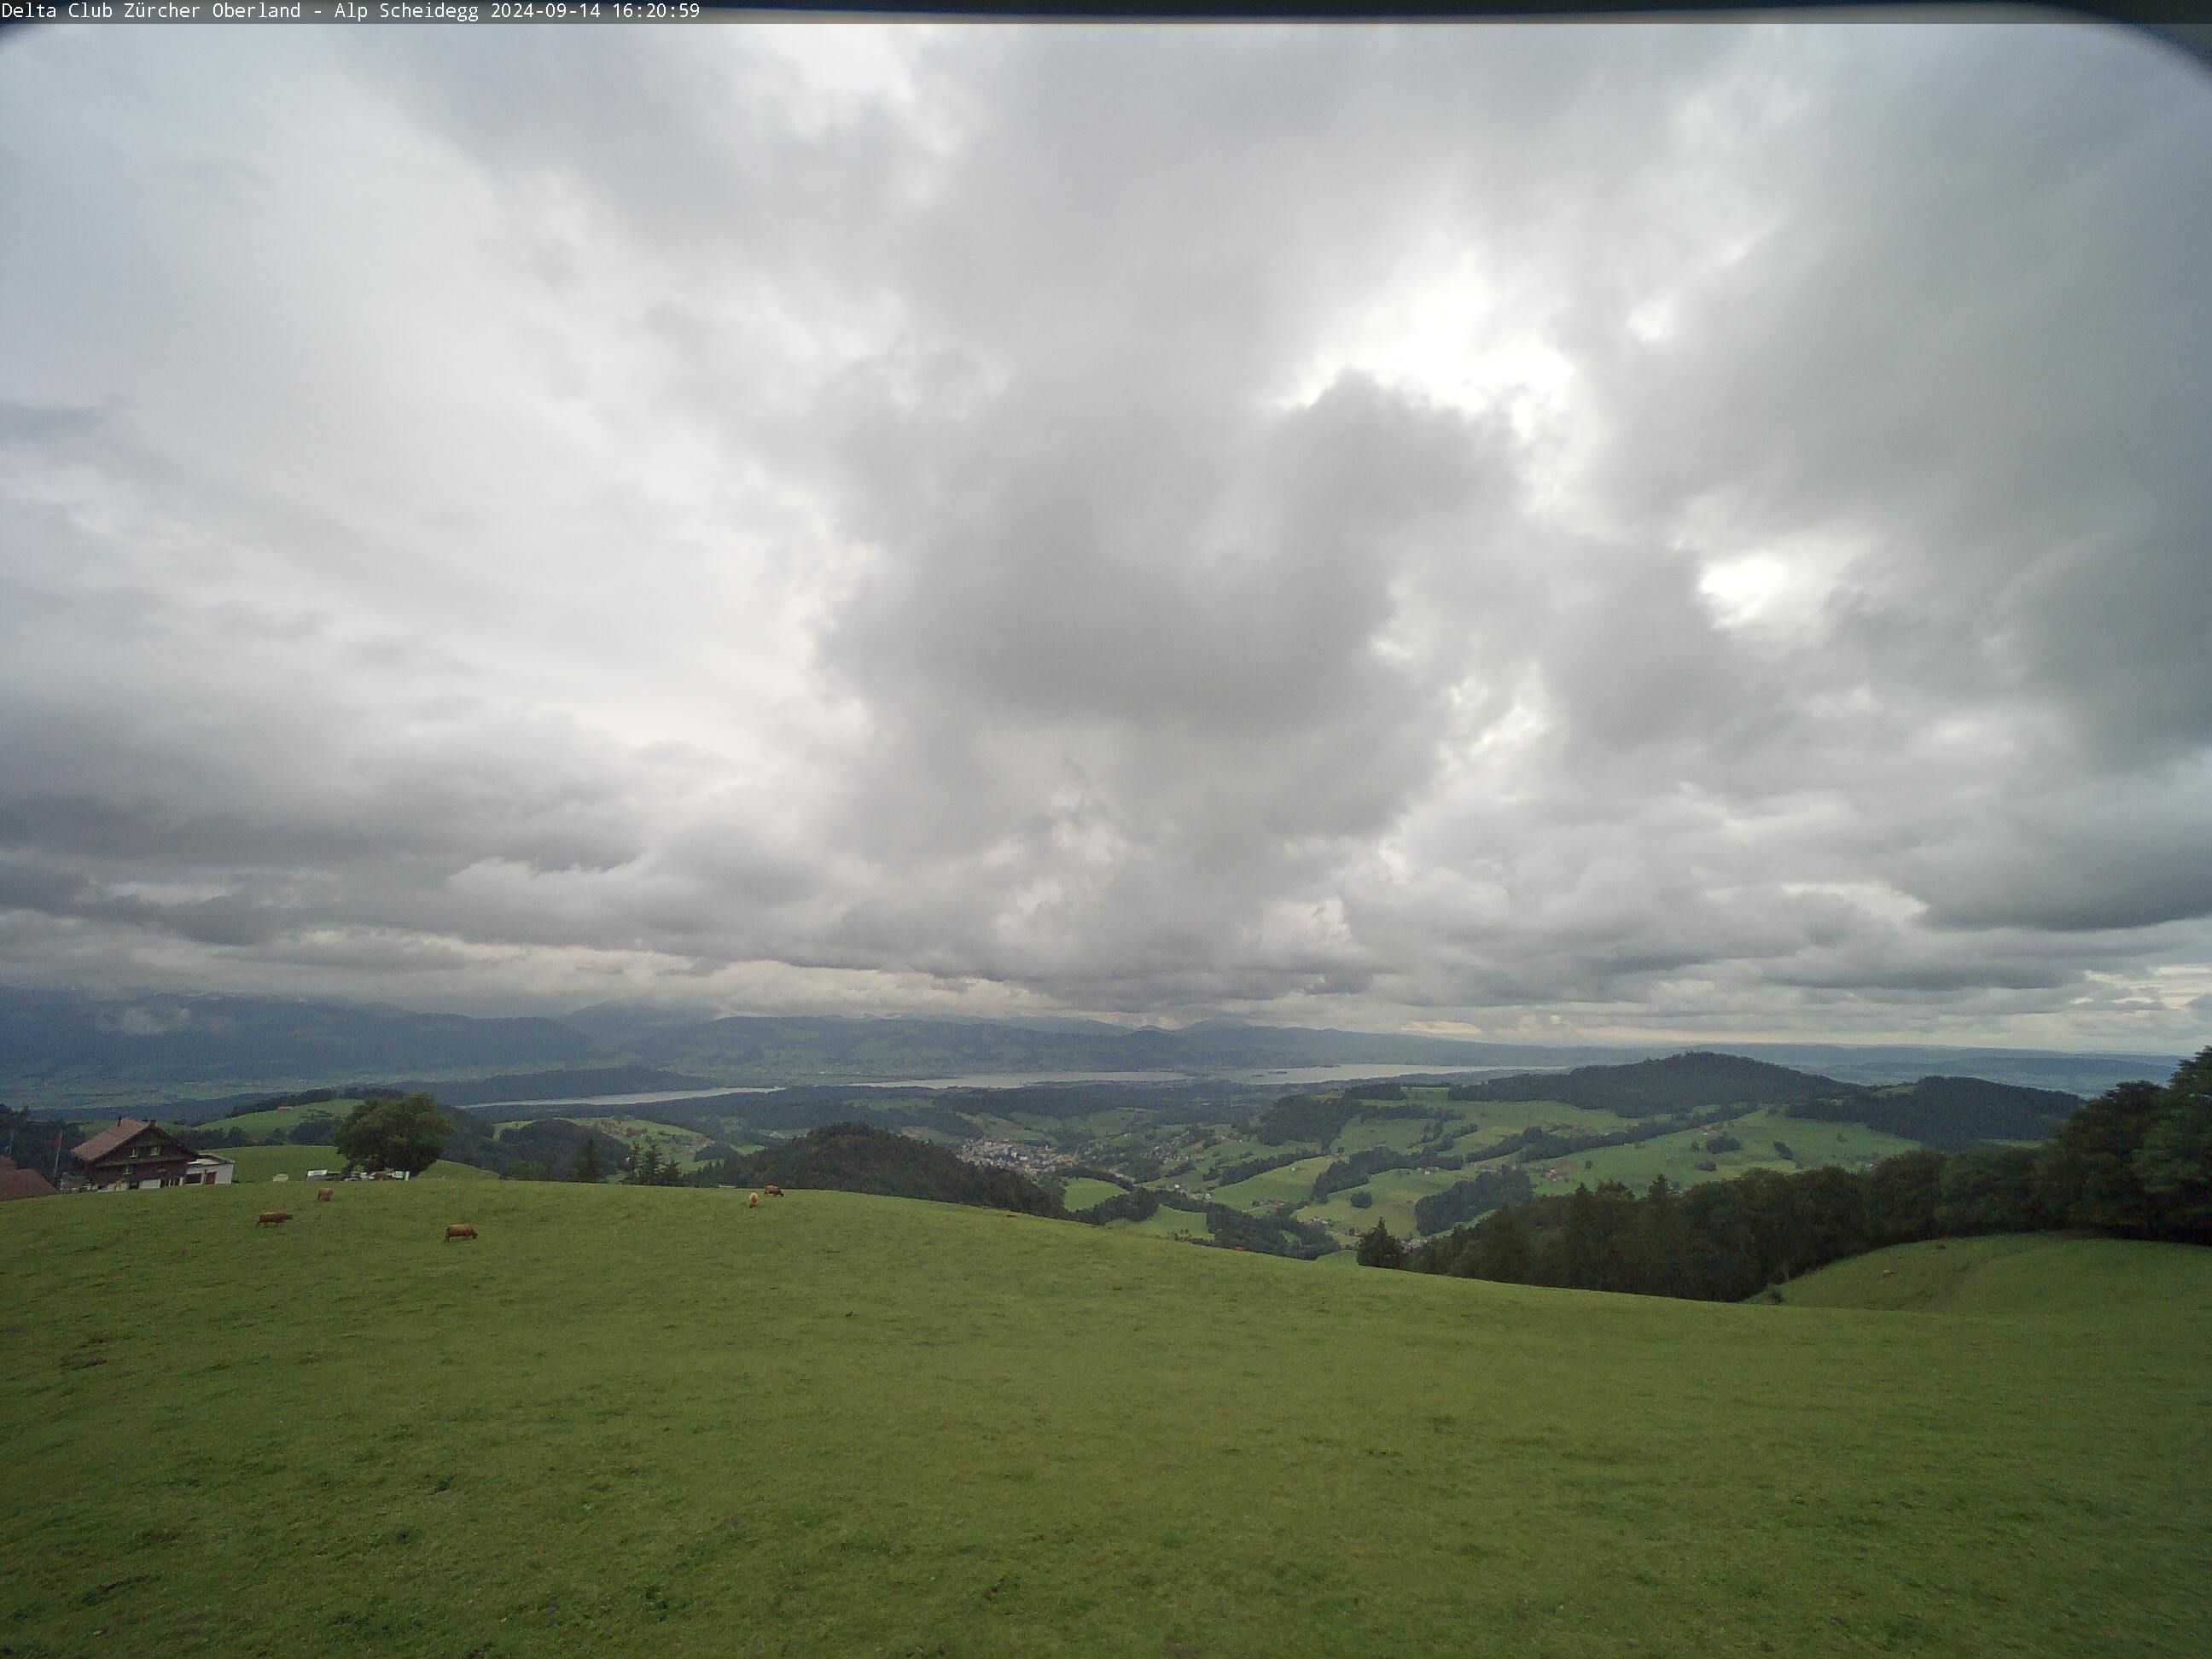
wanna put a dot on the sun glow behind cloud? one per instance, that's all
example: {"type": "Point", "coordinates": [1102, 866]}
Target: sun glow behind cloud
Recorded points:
{"type": "Point", "coordinates": [1607, 529]}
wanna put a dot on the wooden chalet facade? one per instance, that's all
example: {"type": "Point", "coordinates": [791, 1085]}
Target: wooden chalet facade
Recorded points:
{"type": "Point", "coordinates": [136, 1153]}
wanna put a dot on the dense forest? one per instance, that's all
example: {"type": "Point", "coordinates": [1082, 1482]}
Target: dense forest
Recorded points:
{"type": "Point", "coordinates": [2136, 1162]}
{"type": "Point", "coordinates": [1946, 1112]}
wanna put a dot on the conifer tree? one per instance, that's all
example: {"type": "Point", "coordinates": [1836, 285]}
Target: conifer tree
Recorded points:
{"type": "Point", "coordinates": [1378, 1249]}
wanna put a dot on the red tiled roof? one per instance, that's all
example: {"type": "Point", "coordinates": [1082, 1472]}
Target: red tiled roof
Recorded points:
{"type": "Point", "coordinates": [108, 1140]}
{"type": "Point", "coordinates": [24, 1184]}
{"type": "Point", "coordinates": [126, 1129]}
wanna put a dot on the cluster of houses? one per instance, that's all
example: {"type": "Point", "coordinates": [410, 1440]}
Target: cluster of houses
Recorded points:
{"type": "Point", "coordinates": [130, 1153]}
{"type": "Point", "coordinates": [1013, 1155]}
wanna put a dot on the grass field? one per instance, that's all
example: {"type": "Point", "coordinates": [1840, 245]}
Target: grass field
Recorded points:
{"type": "Point", "coordinates": [1677, 1156]}
{"type": "Point", "coordinates": [1214, 1159]}
{"type": "Point", "coordinates": [1398, 1134]}
{"type": "Point", "coordinates": [850, 1425]}
{"type": "Point", "coordinates": [1082, 1192]}
{"type": "Point", "coordinates": [1164, 1223]}
{"type": "Point", "coordinates": [2082, 1279]}
{"type": "Point", "coordinates": [1291, 1184]}
{"type": "Point", "coordinates": [1394, 1192]}
{"type": "Point", "coordinates": [268, 1123]}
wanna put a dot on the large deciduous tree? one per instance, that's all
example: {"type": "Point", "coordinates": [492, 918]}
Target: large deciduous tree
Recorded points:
{"type": "Point", "coordinates": [2174, 1162]}
{"type": "Point", "coordinates": [2086, 1177]}
{"type": "Point", "coordinates": [394, 1132]}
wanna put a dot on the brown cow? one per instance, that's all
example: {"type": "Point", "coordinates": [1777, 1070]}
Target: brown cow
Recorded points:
{"type": "Point", "coordinates": [270, 1217]}
{"type": "Point", "coordinates": [322, 1195]}
{"type": "Point", "coordinates": [462, 1230]}
{"type": "Point", "coordinates": [775, 1191]}
{"type": "Point", "coordinates": [753, 1201]}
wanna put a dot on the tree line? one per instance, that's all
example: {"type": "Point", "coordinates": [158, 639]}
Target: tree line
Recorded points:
{"type": "Point", "coordinates": [2136, 1162]}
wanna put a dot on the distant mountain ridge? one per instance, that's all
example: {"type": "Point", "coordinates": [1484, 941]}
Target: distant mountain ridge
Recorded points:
{"type": "Point", "coordinates": [62, 1050]}
{"type": "Point", "coordinates": [1676, 1083]}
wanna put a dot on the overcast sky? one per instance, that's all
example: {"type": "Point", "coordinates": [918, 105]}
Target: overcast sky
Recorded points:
{"type": "Point", "coordinates": [1694, 531]}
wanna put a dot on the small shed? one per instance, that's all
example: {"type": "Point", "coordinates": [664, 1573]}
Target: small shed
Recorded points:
{"type": "Point", "coordinates": [136, 1153]}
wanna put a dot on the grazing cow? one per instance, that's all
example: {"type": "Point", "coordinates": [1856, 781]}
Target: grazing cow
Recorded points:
{"type": "Point", "coordinates": [462, 1231]}
{"type": "Point", "coordinates": [270, 1217]}
{"type": "Point", "coordinates": [775, 1191]}
{"type": "Point", "coordinates": [323, 1195]}
{"type": "Point", "coordinates": [753, 1201]}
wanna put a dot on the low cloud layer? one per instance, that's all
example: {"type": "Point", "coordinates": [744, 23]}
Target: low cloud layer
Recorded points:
{"type": "Point", "coordinates": [1699, 531]}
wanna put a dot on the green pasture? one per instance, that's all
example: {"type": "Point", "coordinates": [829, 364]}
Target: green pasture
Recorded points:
{"type": "Point", "coordinates": [1400, 1134]}
{"type": "Point", "coordinates": [1854, 1145]}
{"type": "Point", "coordinates": [1677, 1156]}
{"type": "Point", "coordinates": [840, 1424]}
{"type": "Point", "coordinates": [670, 1137]}
{"type": "Point", "coordinates": [1292, 1183]}
{"type": "Point", "coordinates": [2092, 1281]}
{"type": "Point", "coordinates": [268, 1123]}
{"type": "Point", "coordinates": [1488, 1121]}
{"type": "Point", "coordinates": [260, 1163]}
{"type": "Point", "coordinates": [446, 1170]}
{"type": "Point", "coordinates": [1164, 1223]}
{"type": "Point", "coordinates": [1216, 1159]}
{"type": "Point", "coordinates": [1082, 1192]}
{"type": "Point", "coordinates": [1394, 1192]}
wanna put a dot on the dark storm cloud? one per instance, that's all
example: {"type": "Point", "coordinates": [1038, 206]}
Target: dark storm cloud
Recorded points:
{"type": "Point", "coordinates": [1565, 529]}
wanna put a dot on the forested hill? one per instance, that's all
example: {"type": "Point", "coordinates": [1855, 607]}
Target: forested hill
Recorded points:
{"type": "Point", "coordinates": [1944, 1112]}
{"type": "Point", "coordinates": [854, 1158]}
{"type": "Point", "coordinates": [1652, 1088]}
{"type": "Point", "coordinates": [1951, 1113]}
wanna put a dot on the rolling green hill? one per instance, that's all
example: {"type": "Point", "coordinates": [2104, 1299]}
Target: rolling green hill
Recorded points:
{"type": "Point", "coordinates": [2102, 1282]}
{"type": "Point", "coordinates": [650, 1420]}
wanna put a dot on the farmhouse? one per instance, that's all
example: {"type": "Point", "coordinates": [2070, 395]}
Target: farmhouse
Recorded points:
{"type": "Point", "coordinates": [136, 1153]}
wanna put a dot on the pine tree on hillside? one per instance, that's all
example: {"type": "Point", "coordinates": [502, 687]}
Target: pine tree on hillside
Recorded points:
{"type": "Point", "coordinates": [587, 1162]}
{"type": "Point", "coordinates": [1378, 1249]}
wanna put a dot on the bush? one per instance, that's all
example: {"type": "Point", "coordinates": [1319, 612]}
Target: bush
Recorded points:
{"type": "Point", "coordinates": [1362, 1199]}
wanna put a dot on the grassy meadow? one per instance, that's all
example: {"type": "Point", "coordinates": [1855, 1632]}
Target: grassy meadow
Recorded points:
{"type": "Point", "coordinates": [277, 1121]}
{"type": "Point", "coordinates": [2101, 1281]}
{"type": "Point", "coordinates": [643, 1420]}
{"type": "Point", "coordinates": [1082, 1192]}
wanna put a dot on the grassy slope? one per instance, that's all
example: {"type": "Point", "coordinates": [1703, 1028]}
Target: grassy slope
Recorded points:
{"type": "Point", "coordinates": [271, 1122]}
{"type": "Point", "coordinates": [1394, 1192]}
{"type": "Point", "coordinates": [1082, 1192]}
{"type": "Point", "coordinates": [1292, 1184]}
{"type": "Point", "coordinates": [649, 1420]}
{"type": "Point", "coordinates": [2103, 1281]}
